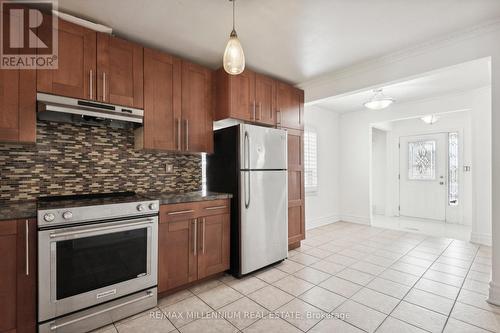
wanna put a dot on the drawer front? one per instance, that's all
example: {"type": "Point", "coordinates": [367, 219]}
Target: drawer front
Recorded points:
{"type": "Point", "coordinates": [179, 212]}
{"type": "Point", "coordinates": [214, 207]}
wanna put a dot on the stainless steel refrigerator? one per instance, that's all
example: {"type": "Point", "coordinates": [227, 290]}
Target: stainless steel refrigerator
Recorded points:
{"type": "Point", "coordinates": [251, 163]}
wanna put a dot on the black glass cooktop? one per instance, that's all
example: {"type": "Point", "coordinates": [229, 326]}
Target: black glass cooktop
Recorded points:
{"type": "Point", "coordinates": [95, 199]}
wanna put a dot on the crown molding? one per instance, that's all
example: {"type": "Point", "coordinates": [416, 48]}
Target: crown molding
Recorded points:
{"type": "Point", "coordinates": [421, 48]}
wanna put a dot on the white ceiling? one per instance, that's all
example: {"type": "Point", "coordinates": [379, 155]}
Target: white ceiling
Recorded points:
{"type": "Point", "coordinates": [295, 40]}
{"type": "Point", "coordinates": [467, 76]}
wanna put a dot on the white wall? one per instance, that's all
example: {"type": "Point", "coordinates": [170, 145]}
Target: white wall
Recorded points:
{"type": "Point", "coordinates": [355, 154]}
{"type": "Point", "coordinates": [449, 122]}
{"type": "Point", "coordinates": [379, 168]}
{"type": "Point", "coordinates": [323, 206]}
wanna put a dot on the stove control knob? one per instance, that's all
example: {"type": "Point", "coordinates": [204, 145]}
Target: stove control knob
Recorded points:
{"type": "Point", "coordinates": [49, 217]}
{"type": "Point", "coordinates": [67, 215]}
{"type": "Point", "coordinates": [141, 207]}
{"type": "Point", "coordinates": [153, 206]}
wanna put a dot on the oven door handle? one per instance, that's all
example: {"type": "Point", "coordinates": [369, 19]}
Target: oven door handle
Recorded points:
{"type": "Point", "coordinates": [69, 322]}
{"type": "Point", "coordinates": [85, 231]}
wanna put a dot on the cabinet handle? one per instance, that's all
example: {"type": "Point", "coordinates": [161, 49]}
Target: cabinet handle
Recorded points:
{"type": "Point", "coordinates": [254, 106]}
{"type": "Point", "coordinates": [27, 248]}
{"type": "Point", "coordinates": [178, 134]}
{"type": "Point", "coordinates": [203, 240]}
{"type": "Point", "coordinates": [195, 241]}
{"type": "Point", "coordinates": [91, 77]}
{"type": "Point", "coordinates": [278, 119]}
{"type": "Point", "coordinates": [181, 212]}
{"type": "Point", "coordinates": [215, 207]}
{"type": "Point", "coordinates": [260, 110]}
{"type": "Point", "coordinates": [104, 87]}
{"type": "Point", "coordinates": [187, 134]}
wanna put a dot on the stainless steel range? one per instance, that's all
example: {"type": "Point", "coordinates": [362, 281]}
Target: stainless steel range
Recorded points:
{"type": "Point", "coordinates": [97, 259]}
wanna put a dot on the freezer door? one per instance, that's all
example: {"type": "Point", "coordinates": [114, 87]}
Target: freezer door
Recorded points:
{"type": "Point", "coordinates": [264, 219]}
{"type": "Point", "coordinates": [263, 148]}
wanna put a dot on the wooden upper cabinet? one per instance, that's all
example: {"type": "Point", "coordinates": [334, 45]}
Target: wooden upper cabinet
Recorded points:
{"type": "Point", "coordinates": [290, 106]}
{"type": "Point", "coordinates": [18, 276]}
{"type": "Point", "coordinates": [214, 245]}
{"type": "Point", "coordinates": [76, 72]}
{"type": "Point", "coordinates": [162, 102]}
{"type": "Point", "coordinates": [197, 110]}
{"type": "Point", "coordinates": [17, 106]}
{"type": "Point", "coordinates": [119, 71]}
{"type": "Point", "coordinates": [17, 102]}
{"type": "Point", "coordinates": [265, 99]}
{"type": "Point", "coordinates": [235, 95]}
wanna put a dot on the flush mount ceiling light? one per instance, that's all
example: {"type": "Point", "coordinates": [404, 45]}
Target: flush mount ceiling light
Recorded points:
{"type": "Point", "coordinates": [430, 119]}
{"type": "Point", "coordinates": [234, 58]}
{"type": "Point", "coordinates": [378, 101]}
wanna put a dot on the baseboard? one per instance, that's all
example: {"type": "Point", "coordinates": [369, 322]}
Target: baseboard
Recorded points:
{"type": "Point", "coordinates": [480, 238]}
{"type": "Point", "coordinates": [356, 219]}
{"type": "Point", "coordinates": [314, 223]}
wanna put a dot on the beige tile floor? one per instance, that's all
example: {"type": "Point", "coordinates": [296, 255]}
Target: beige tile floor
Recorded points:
{"type": "Point", "coordinates": [344, 278]}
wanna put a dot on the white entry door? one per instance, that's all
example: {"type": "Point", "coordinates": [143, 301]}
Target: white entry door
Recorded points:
{"type": "Point", "coordinates": [423, 176]}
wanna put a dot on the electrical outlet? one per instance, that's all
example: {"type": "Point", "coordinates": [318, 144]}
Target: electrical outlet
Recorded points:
{"type": "Point", "coordinates": [169, 168]}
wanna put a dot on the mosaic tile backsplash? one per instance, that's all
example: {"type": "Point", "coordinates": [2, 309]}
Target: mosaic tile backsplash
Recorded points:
{"type": "Point", "coordinates": [78, 159]}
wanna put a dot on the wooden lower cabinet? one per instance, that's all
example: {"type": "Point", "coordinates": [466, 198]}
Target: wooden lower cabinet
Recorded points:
{"type": "Point", "coordinates": [296, 192]}
{"type": "Point", "coordinates": [193, 242]}
{"type": "Point", "coordinates": [18, 276]}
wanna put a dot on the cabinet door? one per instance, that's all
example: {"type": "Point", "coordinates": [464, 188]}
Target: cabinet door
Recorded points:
{"type": "Point", "coordinates": [8, 275]}
{"type": "Point", "coordinates": [296, 212]}
{"type": "Point", "coordinates": [290, 104]}
{"type": "Point", "coordinates": [120, 71]}
{"type": "Point", "coordinates": [162, 101]}
{"type": "Point", "coordinates": [242, 96]}
{"type": "Point", "coordinates": [26, 275]}
{"type": "Point", "coordinates": [75, 75]}
{"type": "Point", "coordinates": [177, 257]}
{"type": "Point", "coordinates": [213, 245]}
{"type": "Point", "coordinates": [18, 105]}
{"type": "Point", "coordinates": [265, 99]}
{"type": "Point", "coordinates": [197, 111]}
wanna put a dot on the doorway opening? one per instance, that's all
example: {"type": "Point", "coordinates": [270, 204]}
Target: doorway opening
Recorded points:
{"type": "Point", "coordinates": [421, 179]}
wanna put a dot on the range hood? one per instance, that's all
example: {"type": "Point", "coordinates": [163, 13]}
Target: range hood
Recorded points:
{"type": "Point", "coordinates": [88, 109]}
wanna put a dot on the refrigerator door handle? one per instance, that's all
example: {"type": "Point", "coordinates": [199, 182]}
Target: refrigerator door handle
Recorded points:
{"type": "Point", "coordinates": [246, 148]}
{"type": "Point", "coordinates": [247, 197]}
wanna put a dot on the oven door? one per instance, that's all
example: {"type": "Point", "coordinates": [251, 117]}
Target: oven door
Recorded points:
{"type": "Point", "coordinates": [87, 265]}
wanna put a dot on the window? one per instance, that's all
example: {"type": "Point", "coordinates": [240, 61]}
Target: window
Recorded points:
{"type": "Point", "coordinates": [422, 160]}
{"type": "Point", "coordinates": [453, 169]}
{"type": "Point", "coordinates": [311, 161]}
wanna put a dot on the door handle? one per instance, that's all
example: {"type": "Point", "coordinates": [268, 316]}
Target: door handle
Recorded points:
{"type": "Point", "coordinates": [195, 236]}
{"type": "Point", "coordinates": [178, 134]}
{"type": "Point", "coordinates": [91, 77]}
{"type": "Point", "coordinates": [27, 248]}
{"type": "Point", "coordinates": [203, 236]}
{"type": "Point", "coordinates": [246, 149]}
{"type": "Point", "coordinates": [247, 198]}
{"type": "Point", "coordinates": [103, 86]}
{"type": "Point", "coordinates": [187, 134]}
{"type": "Point", "coordinates": [111, 227]}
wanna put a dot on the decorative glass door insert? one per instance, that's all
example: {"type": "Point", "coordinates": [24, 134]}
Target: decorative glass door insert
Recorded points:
{"type": "Point", "coordinates": [422, 160]}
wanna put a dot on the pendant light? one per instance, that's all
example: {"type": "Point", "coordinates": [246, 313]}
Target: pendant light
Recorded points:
{"type": "Point", "coordinates": [234, 58]}
{"type": "Point", "coordinates": [378, 101]}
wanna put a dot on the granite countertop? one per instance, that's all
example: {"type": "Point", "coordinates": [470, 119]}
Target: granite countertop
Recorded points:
{"type": "Point", "coordinates": [17, 210]}
{"type": "Point", "coordinates": [170, 198]}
